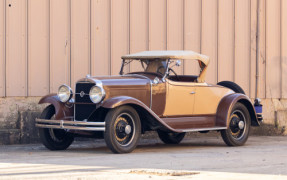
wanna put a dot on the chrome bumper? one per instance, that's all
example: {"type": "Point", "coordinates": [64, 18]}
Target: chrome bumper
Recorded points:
{"type": "Point", "coordinates": [74, 125]}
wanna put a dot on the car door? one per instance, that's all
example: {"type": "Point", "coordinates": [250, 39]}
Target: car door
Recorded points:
{"type": "Point", "coordinates": [179, 99]}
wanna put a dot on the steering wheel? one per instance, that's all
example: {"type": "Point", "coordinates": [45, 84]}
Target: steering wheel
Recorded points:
{"type": "Point", "coordinates": [169, 69]}
{"type": "Point", "coordinates": [158, 70]}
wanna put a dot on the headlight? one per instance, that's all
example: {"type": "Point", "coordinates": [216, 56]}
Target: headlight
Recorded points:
{"type": "Point", "coordinates": [65, 93]}
{"type": "Point", "coordinates": [96, 94]}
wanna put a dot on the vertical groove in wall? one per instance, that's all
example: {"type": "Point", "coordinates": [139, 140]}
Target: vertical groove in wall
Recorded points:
{"type": "Point", "coordinates": [249, 11]}
{"type": "Point", "coordinates": [265, 48]}
{"type": "Point", "coordinates": [111, 36]}
{"type": "Point", "coordinates": [27, 46]}
{"type": "Point", "coordinates": [183, 47]}
{"type": "Point", "coordinates": [90, 37]}
{"type": "Point", "coordinates": [217, 13]}
{"type": "Point", "coordinates": [49, 48]}
{"type": "Point", "coordinates": [233, 60]}
{"type": "Point", "coordinates": [147, 29]}
{"type": "Point", "coordinates": [166, 10]}
{"type": "Point", "coordinates": [200, 26]}
{"type": "Point", "coordinates": [281, 69]}
{"type": "Point", "coordinates": [70, 40]}
{"type": "Point", "coordinates": [4, 34]}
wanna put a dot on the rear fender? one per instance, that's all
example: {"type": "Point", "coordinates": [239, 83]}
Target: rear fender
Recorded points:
{"type": "Point", "coordinates": [226, 105]}
{"type": "Point", "coordinates": [63, 111]}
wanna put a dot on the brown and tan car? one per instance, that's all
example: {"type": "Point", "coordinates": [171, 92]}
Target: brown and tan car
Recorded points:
{"type": "Point", "coordinates": [150, 94]}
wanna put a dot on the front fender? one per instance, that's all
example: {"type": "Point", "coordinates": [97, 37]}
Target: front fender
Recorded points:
{"type": "Point", "coordinates": [226, 105]}
{"type": "Point", "coordinates": [62, 111]}
{"type": "Point", "coordinates": [122, 100]}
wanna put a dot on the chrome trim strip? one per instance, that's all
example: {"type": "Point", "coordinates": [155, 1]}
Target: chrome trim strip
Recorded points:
{"type": "Point", "coordinates": [205, 129]}
{"type": "Point", "coordinates": [76, 125]}
{"type": "Point", "coordinates": [71, 127]}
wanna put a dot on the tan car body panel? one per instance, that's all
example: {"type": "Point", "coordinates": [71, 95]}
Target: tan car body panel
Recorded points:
{"type": "Point", "coordinates": [193, 98]}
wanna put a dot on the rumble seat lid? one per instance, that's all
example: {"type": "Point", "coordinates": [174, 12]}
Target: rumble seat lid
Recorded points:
{"type": "Point", "coordinates": [188, 55]}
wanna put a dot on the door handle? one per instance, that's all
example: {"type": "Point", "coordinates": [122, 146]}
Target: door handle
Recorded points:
{"type": "Point", "coordinates": [192, 92]}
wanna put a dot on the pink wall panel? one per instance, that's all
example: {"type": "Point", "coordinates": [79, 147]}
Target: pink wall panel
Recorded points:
{"type": "Point", "coordinates": [38, 47]}
{"type": "Point", "coordinates": [138, 28]}
{"type": "Point", "coordinates": [59, 43]}
{"type": "Point", "coordinates": [2, 48]}
{"type": "Point", "coordinates": [100, 37]}
{"type": "Point", "coordinates": [119, 33]}
{"type": "Point", "coordinates": [262, 51]}
{"type": "Point", "coordinates": [192, 33]}
{"type": "Point", "coordinates": [253, 26]}
{"type": "Point", "coordinates": [80, 40]}
{"type": "Point", "coordinates": [284, 48]}
{"type": "Point", "coordinates": [226, 40]}
{"type": "Point", "coordinates": [157, 25]}
{"type": "Point", "coordinates": [273, 59]}
{"type": "Point", "coordinates": [175, 12]}
{"type": "Point", "coordinates": [16, 48]}
{"type": "Point", "coordinates": [242, 44]}
{"type": "Point", "coordinates": [209, 37]}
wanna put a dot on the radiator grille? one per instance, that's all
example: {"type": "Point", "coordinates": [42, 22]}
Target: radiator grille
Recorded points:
{"type": "Point", "coordinates": [83, 111]}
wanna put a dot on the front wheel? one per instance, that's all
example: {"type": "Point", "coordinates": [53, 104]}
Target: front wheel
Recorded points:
{"type": "Point", "coordinates": [170, 137]}
{"type": "Point", "coordinates": [54, 139]}
{"type": "Point", "coordinates": [239, 126]}
{"type": "Point", "coordinates": [123, 129]}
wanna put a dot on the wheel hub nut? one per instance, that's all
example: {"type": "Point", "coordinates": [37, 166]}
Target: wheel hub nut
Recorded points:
{"type": "Point", "coordinates": [241, 124]}
{"type": "Point", "coordinates": [128, 129]}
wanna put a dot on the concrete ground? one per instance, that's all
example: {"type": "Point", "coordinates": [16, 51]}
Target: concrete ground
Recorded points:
{"type": "Point", "coordinates": [263, 157]}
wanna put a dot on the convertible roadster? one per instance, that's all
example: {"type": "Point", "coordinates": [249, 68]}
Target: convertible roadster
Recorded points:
{"type": "Point", "coordinates": [149, 94]}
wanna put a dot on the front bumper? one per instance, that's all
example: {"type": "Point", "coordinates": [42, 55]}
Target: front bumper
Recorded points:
{"type": "Point", "coordinates": [73, 125]}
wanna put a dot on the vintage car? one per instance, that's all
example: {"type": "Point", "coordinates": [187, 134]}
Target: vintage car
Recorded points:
{"type": "Point", "coordinates": [149, 94]}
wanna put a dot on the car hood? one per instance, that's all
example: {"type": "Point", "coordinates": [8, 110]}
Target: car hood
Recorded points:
{"type": "Point", "coordinates": [132, 85]}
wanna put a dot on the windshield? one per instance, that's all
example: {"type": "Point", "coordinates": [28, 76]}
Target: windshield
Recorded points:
{"type": "Point", "coordinates": [157, 66]}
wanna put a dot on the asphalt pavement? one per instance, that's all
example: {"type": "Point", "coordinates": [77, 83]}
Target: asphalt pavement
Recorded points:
{"type": "Point", "coordinates": [263, 157]}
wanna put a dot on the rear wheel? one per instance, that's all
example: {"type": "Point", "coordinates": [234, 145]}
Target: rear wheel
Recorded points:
{"type": "Point", "coordinates": [231, 85]}
{"type": "Point", "coordinates": [239, 126]}
{"type": "Point", "coordinates": [54, 139]}
{"type": "Point", "coordinates": [123, 129]}
{"type": "Point", "coordinates": [170, 137]}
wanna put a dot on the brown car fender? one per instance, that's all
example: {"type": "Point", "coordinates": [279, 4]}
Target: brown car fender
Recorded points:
{"type": "Point", "coordinates": [226, 105]}
{"type": "Point", "coordinates": [126, 100]}
{"type": "Point", "coordinates": [62, 111]}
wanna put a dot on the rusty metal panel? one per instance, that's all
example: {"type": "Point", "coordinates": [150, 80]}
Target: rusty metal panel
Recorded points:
{"type": "Point", "coordinates": [138, 28]}
{"type": "Point", "coordinates": [192, 33]}
{"type": "Point", "coordinates": [80, 40]}
{"type": "Point", "coordinates": [2, 48]}
{"type": "Point", "coordinates": [157, 25]}
{"type": "Point", "coordinates": [262, 52]}
{"type": "Point", "coordinates": [253, 14]}
{"type": "Point", "coordinates": [59, 43]}
{"type": "Point", "coordinates": [273, 60]}
{"type": "Point", "coordinates": [284, 48]}
{"type": "Point", "coordinates": [100, 37]}
{"type": "Point", "coordinates": [38, 47]}
{"type": "Point", "coordinates": [209, 37]}
{"type": "Point", "coordinates": [175, 27]}
{"type": "Point", "coordinates": [242, 44]}
{"type": "Point", "coordinates": [119, 33]}
{"type": "Point", "coordinates": [226, 40]}
{"type": "Point", "coordinates": [16, 48]}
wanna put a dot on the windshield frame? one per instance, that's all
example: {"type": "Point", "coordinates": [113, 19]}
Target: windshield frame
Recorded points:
{"type": "Point", "coordinates": [130, 60]}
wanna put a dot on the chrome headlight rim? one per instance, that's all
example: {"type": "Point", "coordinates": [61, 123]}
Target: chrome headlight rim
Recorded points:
{"type": "Point", "coordinates": [101, 97]}
{"type": "Point", "coordinates": [69, 93]}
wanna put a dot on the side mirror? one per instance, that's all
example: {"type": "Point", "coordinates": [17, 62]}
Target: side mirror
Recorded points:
{"type": "Point", "coordinates": [178, 63]}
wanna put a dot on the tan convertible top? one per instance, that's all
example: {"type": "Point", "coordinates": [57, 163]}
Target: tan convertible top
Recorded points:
{"type": "Point", "coordinates": [168, 55]}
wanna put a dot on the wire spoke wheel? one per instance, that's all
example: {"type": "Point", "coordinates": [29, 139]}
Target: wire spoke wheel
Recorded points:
{"type": "Point", "coordinates": [124, 128]}
{"type": "Point", "coordinates": [238, 128]}
{"type": "Point", "coordinates": [54, 139]}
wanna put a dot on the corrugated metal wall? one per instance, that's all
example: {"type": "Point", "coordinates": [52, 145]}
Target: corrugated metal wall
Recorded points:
{"type": "Point", "coordinates": [45, 43]}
